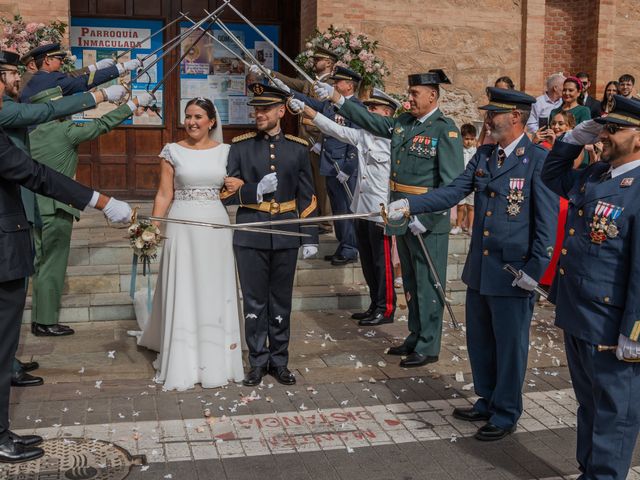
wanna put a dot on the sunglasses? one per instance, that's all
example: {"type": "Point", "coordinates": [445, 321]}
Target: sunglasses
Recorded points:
{"type": "Point", "coordinates": [613, 128]}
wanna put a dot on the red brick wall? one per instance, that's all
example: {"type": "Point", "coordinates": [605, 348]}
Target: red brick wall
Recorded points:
{"type": "Point", "coordinates": [308, 19]}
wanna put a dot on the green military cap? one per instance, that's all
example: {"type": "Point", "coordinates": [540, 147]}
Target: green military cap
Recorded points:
{"type": "Point", "coordinates": [379, 97]}
{"type": "Point", "coordinates": [435, 76]}
{"type": "Point", "coordinates": [49, 94]}
{"type": "Point", "coordinates": [321, 52]}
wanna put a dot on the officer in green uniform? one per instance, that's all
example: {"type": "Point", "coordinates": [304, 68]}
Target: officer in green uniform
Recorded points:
{"type": "Point", "coordinates": [426, 153]}
{"type": "Point", "coordinates": [55, 144]}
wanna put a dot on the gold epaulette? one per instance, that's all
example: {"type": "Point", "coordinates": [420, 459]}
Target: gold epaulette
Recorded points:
{"type": "Point", "coordinates": [244, 136]}
{"type": "Point", "coordinates": [293, 138]}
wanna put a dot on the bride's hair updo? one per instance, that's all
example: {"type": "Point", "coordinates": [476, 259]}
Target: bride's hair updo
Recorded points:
{"type": "Point", "coordinates": [205, 104]}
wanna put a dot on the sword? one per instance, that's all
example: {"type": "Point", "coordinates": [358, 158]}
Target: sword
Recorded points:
{"type": "Point", "coordinates": [222, 225]}
{"type": "Point", "coordinates": [516, 273]}
{"type": "Point", "coordinates": [438, 283]}
{"type": "Point", "coordinates": [326, 218]}
{"type": "Point", "coordinates": [346, 187]}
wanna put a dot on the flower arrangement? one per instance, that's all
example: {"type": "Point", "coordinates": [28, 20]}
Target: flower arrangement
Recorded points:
{"type": "Point", "coordinates": [144, 238]}
{"type": "Point", "coordinates": [19, 36]}
{"type": "Point", "coordinates": [355, 51]}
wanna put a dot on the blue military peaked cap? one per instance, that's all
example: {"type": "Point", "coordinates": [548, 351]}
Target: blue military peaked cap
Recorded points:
{"type": "Point", "coordinates": [342, 73]}
{"type": "Point", "coordinates": [49, 50]}
{"type": "Point", "coordinates": [9, 58]}
{"type": "Point", "coordinates": [505, 100]}
{"type": "Point", "coordinates": [435, 76]}
{"type": "Point", "coordinates": [625, 111]}
{"type": "Point", "coordinates": [266, 95]}
{"type": "Point", "coordinates": [378, 97]}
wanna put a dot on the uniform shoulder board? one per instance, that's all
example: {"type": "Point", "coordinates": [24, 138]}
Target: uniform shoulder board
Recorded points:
{"type": "Point", "coordinates": [293, 138]}
{"type": "Point", "coordinates": [244, 136]}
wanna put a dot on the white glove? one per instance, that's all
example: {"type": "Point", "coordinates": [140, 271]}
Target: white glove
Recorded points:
{"type": "Point", "coordinates": [416, 227]}
{"type": "Point", "coordinates": [398, 209]}
{"type": "Point", "coordinates": [257, 71]}
{"type": "Point", "coordinates": [145, 99]}
{"type": "Point", "coordinates": [114, 93]}
{"type": "Point", "coordinates": [323, 90]}
{"type": "Point", "coordinates": [268, 184]}
{"type": "Point", "coordinates": [100, 64]}
{"type": "Point", "coordinates": [296, 106]}
{"type": "Point", "coordinates": [129, 66]}
{"type": "Point", "coordinates": [281, 85]}
{"type": "Point", "coordinates": [317, 148]}
{"type": "Point", "coordinates": [117, 211]}
{"type": "Point", "coordinates": [586, 133]}
{"type": "Point", "coordinates": [525, 282]}
{"type": "Point", "coordinates": [309, 251]}
{"type": "Point", "coordinates": [342, 177]}
{"type": "Point", "coordinates": [627, 349]}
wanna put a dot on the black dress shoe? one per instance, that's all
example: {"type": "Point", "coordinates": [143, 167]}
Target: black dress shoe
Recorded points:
{"type": "Point", "coordinates": [375, 320]}
{"type": "Point", "coordinates": [28, 366]}
{"type": "Point", "coordinates": [26, 440]}
{"type": "Point", "coordinates": [56, 330]}
{"type": "Point", "coordinates": [328, 258]}
{"type": "Point", "coordinates": [414, 359]}
{"type": "Point", "coordinates": [491, 432]}
{"type": "Point", "coordinates": [283, 375]}
{"type": "Point", "coordinates": [341, 260]}
{"type": "Point", "coordinates": [254, 376]}
{"type": "Point", "coordinates": [470, 414]}
{"type": "Point", "coordinates": [12, 452]}
{"type": "Point", "coordinates": [23, 379]}
{"type": "Point", "coordinates": [401, 350]}
{"type": "Point", "coordinates": [362, 315]}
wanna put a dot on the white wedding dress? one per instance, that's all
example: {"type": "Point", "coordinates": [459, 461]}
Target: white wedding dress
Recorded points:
{"type": "Point", "coordinates": [194, 322]}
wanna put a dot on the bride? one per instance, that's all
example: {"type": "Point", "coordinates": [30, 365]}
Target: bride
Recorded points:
{"type": "Point", "coordinates": [194, 323]}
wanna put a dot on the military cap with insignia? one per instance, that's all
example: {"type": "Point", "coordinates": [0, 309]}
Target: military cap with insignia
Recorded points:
{"type": "Point", "coordinates": [505, 100]}
{"type": "Point", "coordinates": [435, 76]}
{"type": "Point", "coordinates": [49, 94]}
{"type": "Point", "coordinates": [379, 97]}
{"type": "Point", "coordinates": [50, 50]}
{"type": "Point", "coordinates": [342, 73]}
{"type": "Point", "coordinates": [9, 58]}
{"type": "Point", "coordinates": [625, 112]}
{"type": "Point", "coordinates": [266, 95]}
{"type": "Point", "coordinates": [321, 52]}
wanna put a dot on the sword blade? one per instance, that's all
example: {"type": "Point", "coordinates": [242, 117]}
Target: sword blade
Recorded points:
{"type": "Point", "coordinates": [221, 226]}
{"type": "Point", "coordinates": [325, 218]}
{"type": "Point", "coordinates": [516, 273]}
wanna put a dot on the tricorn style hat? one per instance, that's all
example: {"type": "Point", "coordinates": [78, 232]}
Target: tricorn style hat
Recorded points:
{"type": "Point", "coordinates": [435, 76]}
{"type": "Point", "coordinates": [266, 95]}
{"type": "Point", "coordinates": [625, 111]}
{"type": "Point", "coordinates": [321, 52]}
{"type": "Point", "coordinates": [46, 95]}
{"type": "Point", "coordinates": [9, 58]}
{"type": "Point", "coordinates": [378, 97]}
{"type": "Point", "coordinates": [342, 73]}
{"type": "Point", "coordinates": [50, 50]}
{"type": "Point", "coordinates": [506, 100]}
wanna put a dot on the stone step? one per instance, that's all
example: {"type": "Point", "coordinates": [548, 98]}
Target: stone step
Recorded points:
{"type": "Point", "coordinates": [95, 307]}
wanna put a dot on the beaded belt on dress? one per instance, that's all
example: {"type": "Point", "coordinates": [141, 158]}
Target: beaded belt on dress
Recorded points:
{"type": "Point", "coordinates": [196, 194]}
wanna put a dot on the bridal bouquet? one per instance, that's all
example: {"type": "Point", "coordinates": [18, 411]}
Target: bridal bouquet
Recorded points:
{"type": "Point", "coordinates": [144, 238]}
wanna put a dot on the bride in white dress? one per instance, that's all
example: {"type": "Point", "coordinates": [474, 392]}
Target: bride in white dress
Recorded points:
{"type": "Point", "coordinates": [194, 323]}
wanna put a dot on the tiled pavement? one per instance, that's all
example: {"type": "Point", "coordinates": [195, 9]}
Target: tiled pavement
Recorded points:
{"type": "Point", "coordinates": [354, 414]}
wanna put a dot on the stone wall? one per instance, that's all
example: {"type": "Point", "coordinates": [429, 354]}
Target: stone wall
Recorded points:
{"type": "Point", "coordinates": [37, 10]}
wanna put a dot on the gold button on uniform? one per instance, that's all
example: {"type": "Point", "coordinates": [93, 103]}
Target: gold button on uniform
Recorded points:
{"type": "Point", "coordinates": [273, 167]}
{"type": "Point", "coordinates": [395, 174]}
{"type": "Point", "coordinates": [606, 299]}
{"type": "Point", "coordinates": [580, 212]}
{"type": "Point", "coordinates": [572, 231]}
{"type": "Point", "coordinates": [561, 271]}
{"type": "Point", "coordinates": [272, 156]}
{"type": "Point", "coordinates": [486, 253]}
{"type": "Point", "coordinates": [402, 149]}
{"type": "Point", "coordinates": [397, 162]}
{"type": "Point", "coordinates": [493, 194]}
{"type": "Point", "coordinates": [272, 146]}
{"type": "Point", "coordinates": [486, 233]}
{"type": "Point", "coordinates": [563, 251]}
{"type": "Point", "coordinates": [489, 213]}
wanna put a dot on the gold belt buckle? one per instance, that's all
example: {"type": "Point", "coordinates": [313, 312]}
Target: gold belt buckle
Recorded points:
{"type": "Point", "coordinates": [274, 207]}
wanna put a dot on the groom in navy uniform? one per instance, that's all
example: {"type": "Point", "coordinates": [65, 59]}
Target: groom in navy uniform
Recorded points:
{"type": "Point", "coordinates": [278, 185]}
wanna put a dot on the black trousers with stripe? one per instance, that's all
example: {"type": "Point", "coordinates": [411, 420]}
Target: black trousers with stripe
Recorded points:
{"type": "Point", "coordinates": [375, 256]}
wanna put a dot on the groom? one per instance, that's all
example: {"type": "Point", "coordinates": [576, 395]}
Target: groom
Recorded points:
{"type": "Point", "coordinates": [267, 263]}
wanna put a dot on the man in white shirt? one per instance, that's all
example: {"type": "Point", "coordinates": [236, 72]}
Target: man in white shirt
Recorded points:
{"type": "Point", "coordinates": [547, 102]}
{"type": "Point", "coordinates": [372, 189]}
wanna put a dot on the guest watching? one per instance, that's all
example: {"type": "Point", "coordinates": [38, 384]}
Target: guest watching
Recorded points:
{"type": "Point", "coordinates": [545, 103]}
{"type": "Point", "coordinates": [571, 95]}
{"type": "Point", "coordinates": [587, 100]}
{"type": "Point", "coordinates": [626, 83]}
{"type": "Point", "coordinates": [612, 88]}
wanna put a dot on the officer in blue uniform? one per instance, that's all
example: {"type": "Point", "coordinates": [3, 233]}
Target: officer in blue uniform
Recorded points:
{"type": "Point", "coordinates": [338, 162]}
{"type": "Point", "coordinates": [597, 285]}
{"type": "Point", "coordinates": [278, 185]}
{"type": "Point", "coordinates": [515, 223]}
{"type": "Point", "coordinates": [49, 60]}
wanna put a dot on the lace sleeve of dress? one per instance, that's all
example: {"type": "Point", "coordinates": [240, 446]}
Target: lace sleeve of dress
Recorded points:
{"type": "Point", "coordinates": [166, 153]}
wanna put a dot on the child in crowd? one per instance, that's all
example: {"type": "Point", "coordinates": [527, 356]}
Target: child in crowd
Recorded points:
{"type": "Point", "coordinates": [464, 222]}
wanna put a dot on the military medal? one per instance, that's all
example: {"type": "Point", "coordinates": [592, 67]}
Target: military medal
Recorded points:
{"type": "Point", "coordinates": [516, 196]}
{"type": "Point", "coordinates": [480, 173]}
{"type": "Point", "coordinates": [339, 119]}
{"type": "Point", "coordinates": [603, 224]}
{"type": "Point", "coordinates": [520, 151]}
{"type": "Point", "coordinates": [398, 130]}
{"type": "Point", "coordinates": [626, 182]}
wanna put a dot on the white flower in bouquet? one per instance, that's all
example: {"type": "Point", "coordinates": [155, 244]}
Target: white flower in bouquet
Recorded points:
{"type": "Point", "coordinates": [148, 236]}
{"type": "Point", "coordinates": [139, 243]}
